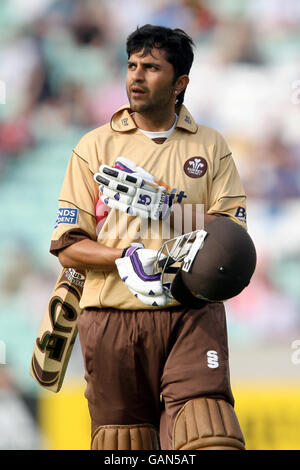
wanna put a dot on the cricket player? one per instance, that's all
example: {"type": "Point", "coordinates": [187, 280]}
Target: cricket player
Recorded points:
{"type": "Point", "coordinates": [151, 380]}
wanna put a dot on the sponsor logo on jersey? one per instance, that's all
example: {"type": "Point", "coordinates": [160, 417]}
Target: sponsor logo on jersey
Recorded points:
{"type": "Point", "coordinates": [195, 167]}
{"type": "Point", "coordinates": [212, 359]}
{"type": "Point", "coordinates": [241, 213]}
{"type": "Point", "coordinates": [66, 216]}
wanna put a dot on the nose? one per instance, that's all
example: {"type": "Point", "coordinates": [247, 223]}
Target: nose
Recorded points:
{"type": "Point", "coordinates": [137, 74]}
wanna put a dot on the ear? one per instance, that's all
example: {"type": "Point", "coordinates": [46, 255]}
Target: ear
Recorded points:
{"type": "Point", "coordinates": [181, 84]}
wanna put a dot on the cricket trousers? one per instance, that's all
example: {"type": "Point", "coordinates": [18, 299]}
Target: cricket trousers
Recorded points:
{"type": "Point", "coordinates": [143, 366]}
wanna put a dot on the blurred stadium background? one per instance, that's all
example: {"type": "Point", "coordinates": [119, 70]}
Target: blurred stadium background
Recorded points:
{"type": "Point", "coordinates": [62, 70]}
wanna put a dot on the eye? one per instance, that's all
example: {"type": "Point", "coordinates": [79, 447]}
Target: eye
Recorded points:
{"type": "Point", "coordinates": [152, 67]}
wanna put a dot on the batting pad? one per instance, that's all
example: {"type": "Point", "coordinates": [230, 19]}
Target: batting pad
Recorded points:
{"type": "Point", "coordinates": [125, 437]}
{"type": "Point", "coordinates": [207, 424]}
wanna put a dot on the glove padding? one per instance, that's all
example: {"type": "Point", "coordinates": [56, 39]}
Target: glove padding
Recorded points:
{"type": "Point", "coordinates": [136, 269]}
{"type": "Point", "coordinates": [132, 189]}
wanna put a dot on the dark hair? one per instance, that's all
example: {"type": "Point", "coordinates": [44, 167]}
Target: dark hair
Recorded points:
{"type": "Point", "coordinates": [177, 45]}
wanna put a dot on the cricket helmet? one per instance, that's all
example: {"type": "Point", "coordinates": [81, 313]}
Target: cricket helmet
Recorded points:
{"type": "Point", "coordinates": [218, 265]}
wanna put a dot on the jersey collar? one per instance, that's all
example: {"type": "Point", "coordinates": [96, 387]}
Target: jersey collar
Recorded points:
{"type": "Point", "coordinates": [121, 120]}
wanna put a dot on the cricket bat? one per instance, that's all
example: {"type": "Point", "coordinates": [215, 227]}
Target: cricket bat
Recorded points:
{"type": "Point", "coordinates": [58, 331]}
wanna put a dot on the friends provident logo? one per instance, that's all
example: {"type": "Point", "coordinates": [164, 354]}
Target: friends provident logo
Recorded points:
{"type": "Point", "coordinates": [66, 215]}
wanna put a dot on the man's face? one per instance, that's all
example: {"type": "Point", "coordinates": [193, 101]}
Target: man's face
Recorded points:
{"type": "Point", "coordinates": [149, 82]}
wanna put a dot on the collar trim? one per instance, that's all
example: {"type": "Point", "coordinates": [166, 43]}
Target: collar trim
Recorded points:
{"type": "Point", "coordinates": [121, 120]}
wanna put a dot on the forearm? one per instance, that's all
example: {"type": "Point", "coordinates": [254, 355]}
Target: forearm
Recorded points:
{"type": "Point", "coordinates": [88, 254]}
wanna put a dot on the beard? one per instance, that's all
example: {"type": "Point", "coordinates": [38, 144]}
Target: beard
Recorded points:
{"type": "Point", "coordinates": [154, 104]}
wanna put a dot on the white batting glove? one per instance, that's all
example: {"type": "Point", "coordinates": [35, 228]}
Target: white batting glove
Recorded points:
{"type": "Point", "coordinates": [125, 164]}
{"type": "Point", "coordinates": [136, 269]}
{"type": "Point", "coordinates": [132, 189]}
{"type": "Point", "coordinates": [102, 209]}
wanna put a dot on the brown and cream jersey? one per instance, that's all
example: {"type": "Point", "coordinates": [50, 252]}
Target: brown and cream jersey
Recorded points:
{"type": "Point", "coordinates": [194, 163]}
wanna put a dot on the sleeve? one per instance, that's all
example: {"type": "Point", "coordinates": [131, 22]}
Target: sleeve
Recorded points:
{"type": "Point", "coordinates": [227, 195]}
{"type": "Point", "coordinates": [76, 206]}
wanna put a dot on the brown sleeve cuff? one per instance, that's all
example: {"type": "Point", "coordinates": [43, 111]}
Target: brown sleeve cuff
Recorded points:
{"type": "Point", "coordinates": [67, 239]}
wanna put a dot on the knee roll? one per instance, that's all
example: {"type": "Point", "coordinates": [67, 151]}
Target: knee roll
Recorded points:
{"type": "Point", "coordinates": [207, 424]}
{"type": "Point", "coordinates": [125, 437]}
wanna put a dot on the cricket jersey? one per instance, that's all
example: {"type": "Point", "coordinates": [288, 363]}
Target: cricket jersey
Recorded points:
{"type": "Point", "coordinates": [194, 164]}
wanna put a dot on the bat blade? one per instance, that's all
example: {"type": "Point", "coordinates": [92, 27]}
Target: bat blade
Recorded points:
{"type": "Point", "coordinates": [58, 331]}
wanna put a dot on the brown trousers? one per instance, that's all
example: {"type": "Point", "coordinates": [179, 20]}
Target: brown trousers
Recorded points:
{"type": "Point", "coordinates": [143, 366]}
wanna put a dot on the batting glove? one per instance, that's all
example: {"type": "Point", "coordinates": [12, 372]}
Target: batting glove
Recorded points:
{"type": "Point", "coordinates": [125, 164]}
{"type": "Point", "coordinates": [129, 166]}
{"type": "Point", "coordinates": [132, 189]}
{"type": "Point", "coordinates": [136, 269]}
